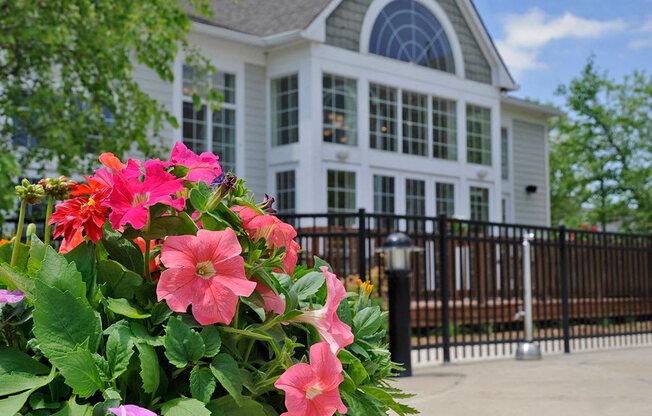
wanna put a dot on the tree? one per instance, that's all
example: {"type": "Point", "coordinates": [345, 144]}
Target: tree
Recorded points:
{"type": "Point", "coordinates": [66, 84]}
{"type": "Point", "coordinates": [601, 153]}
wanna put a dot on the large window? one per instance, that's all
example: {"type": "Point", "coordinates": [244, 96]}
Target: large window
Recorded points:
{"type": "Point", "coordinates": [383, 133]}
{"type": "Point", "coordinates": [286, 191]}
{"type": "Point", "coordinates": [408, 31]}
{"type": "Point", "coordinates": [341, 191]}
{"type": "Point", "coordinates": [504, 153]}
{"type": "Point", "coordinates": [479, 203]}
{"type": "Point", "coordinates": [445, 198]}
{"type": "Point", "coordinates": [285, 110]}
{"type": "Point", "coordinates": [340, 110]}
{"type": "Point", "coordinates": [444, 128]}
{"type": "Point", "coordinates": [206, 131]}
{"type": "Point", "coordinates": [478, 135]}
{"type": "Point", "coordinates": [383, 194]}
{"type": "Point", "coordinates": [415, 123]}
{"type": "Point", "coordinates": [415, 202]}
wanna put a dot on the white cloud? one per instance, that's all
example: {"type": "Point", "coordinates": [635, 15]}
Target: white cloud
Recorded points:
{"type": "Point", "coordinates": [527, 34]}
{"type": "Point", "coordinates": [645, 41]}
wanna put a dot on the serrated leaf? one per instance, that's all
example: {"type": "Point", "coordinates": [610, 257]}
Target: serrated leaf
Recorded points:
{"type": "Point", "coordinates": [184, 407]}
{"type": "Point", "coordinates": [71, 408]}
{"type": "Point", "coordinates": [83, 256]}
{"type": "Point", "coordinates": [367, 321]}
{"type": "Point", "coordinates": [57, 272]}
{"type": "Point", "coordinates": [160, 312]}
{"type": "Point", "coordinates": [309, 284]}
{"type": "Point", "coordinates": [360, 404]}
{"type": "Point", "coordinates": [386, 399]}
{"type": "Point", "coordinates": [202, 384]}
{"type": "Point", "coordinates": [13, 360]}
{"type": "Point", "coordinates": [357, 372]}
{"type": "Point", "coordinates": [225, 369]}
{"type": "Point", "coordinates": [182, 344]}
{"type": "Point", "coordinates": [119, 348]}
{"type": "Point", "coordinates": [212, 340]}
{"type": "Point", "coordinates": [63, 321]}
{"type": "Point", "coordinates": [123, 282]}
{"type": "Point", "coordinates": [150, 371]}
{"type": "Point", "coordinates": [141, 335]}
{"type": "Point", "coordinates": [125, 308]}
{"type": "Point", "coordinates": [81, 372]}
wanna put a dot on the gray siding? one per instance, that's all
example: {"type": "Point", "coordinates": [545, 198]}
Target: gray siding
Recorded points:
{"type": "Point", "coordinates": [150, 83]}
{"type": "Point", "coordinates": [344, 24]}
{"type": "Point", "coordinates": [255, 129]}
{"type": "Point", "coordinates": [530, 169]}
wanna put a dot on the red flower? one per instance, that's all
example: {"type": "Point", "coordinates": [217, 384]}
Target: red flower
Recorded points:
{"type": "Point", "coordinates": [593, 228]}
{"type": "Point", "coordinates": [84, 213]}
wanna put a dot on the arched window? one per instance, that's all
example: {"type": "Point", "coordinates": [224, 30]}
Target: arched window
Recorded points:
{"type": "Point", "coordinates": [408, 31]}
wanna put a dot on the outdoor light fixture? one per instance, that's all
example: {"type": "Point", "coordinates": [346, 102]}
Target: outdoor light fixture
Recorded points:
{"type": "Point", "coordinates": [527, 350]}
{"type": "Point", "coordinates": [342, 154]}
{"type": "Point", "coordinates": [397, 249]}
{"type": "Point", "coordinates": [530, 189]}
{"type": "Point", "coordinates": [481, 172]}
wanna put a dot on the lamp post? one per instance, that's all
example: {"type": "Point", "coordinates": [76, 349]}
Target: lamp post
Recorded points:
{"type": "Point", "coordinates": [527, 350]}
{"type": "Point", "coordinates": [397, 249]}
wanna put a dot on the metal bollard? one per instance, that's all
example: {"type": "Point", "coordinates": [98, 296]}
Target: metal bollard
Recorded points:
{"type": "Point", "coordinates": [527, 350]}
{"type": "Point", "coordinates": [397, 249]}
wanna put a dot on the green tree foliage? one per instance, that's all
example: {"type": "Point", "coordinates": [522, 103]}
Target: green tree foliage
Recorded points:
{"type": "Point", "coordinates": [601, 153]}
{"type": "Point", "coordinates": [66, 78]}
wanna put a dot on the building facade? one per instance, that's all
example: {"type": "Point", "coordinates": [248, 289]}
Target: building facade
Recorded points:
{"type": "Point", "coordinates": [395, 106]}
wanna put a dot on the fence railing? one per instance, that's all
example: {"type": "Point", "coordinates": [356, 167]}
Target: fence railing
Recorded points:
{"type": "Point", "coordinates": [590, 289]}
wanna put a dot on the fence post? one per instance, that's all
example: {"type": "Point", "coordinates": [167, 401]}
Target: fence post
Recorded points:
{"type": "Point", "coordinates": [563, 275]}
{"type": "Point", "coordinates": [445, 295]}
{"type": "Point", "coordinates": [362, 245]}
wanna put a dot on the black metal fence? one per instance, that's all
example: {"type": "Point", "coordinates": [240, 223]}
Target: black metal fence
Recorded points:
{"type": "Point", "coordinates": [590, 289]}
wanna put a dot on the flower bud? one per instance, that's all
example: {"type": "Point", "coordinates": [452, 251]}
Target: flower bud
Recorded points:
{"type": "Point", "coordinates": [266, 205]}
{"type": "Point", "coordinates": [31, 229]}
{"type": "Point", "coordinates": [30, 193]}
{"type": "Point", "coordinates": [59, 188]}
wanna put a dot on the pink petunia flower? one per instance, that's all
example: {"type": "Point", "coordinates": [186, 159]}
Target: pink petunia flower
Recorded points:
{"type": "Point", "coordinates": [11, 297]}
{"type": "Point", "coordinates": [328, 324]}
{"type": "Point", "coordinates": [277, 233]}
{"type": "Point", "coordinates": [273, 302]}
{"type": "Point", "coordinates": [206, 271]}
{"type": "Point", "coordinates": [312, 389]}
{"type": "Point", "coordinates": [202, 167]}
{"type": "Point", "coordinates": [130, 198]}
{"type": "Point", "coordinates": [131, 410]}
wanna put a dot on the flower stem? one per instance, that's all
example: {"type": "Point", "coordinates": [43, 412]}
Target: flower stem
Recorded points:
{"type": "Point", "coordinates": [148, 276]}
{"type": "Point", "coordinates": [19, 233]}
{"type": "Point", "coordinates": [48, 213]}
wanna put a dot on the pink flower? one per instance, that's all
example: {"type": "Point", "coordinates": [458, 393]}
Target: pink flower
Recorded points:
{"type": "Point", "coordinates": [312, 389]}
{"type": "Point", "coordinates": [328, 324]}
{"type": "Point", "coordinates": [130, 170]}
{"type": "Point", "coordinates": [11, 297]}
{"type": "Point", "coordinates": [273, 302]}
{"type": "Point", "coordinates": [131, 410]}
{"type": "Point", "coordinates": [205, 271]}
{"type": "Point", "coordinates": [277, 233]}
{"type": "Point", "coordinates": [131, 198]}
{"type": "Point", "coordinates": [200, 168]}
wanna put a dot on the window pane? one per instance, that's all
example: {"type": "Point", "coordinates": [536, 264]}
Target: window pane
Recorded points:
{"type": "Point", "coordinates": [194, 128]}
{"type": "Point", "coordinates": [415, 202]}
{"type": "Point", "coordinates": [479, 203]}
{"type": "Point", "coordinates": [224, 138]}
{"type": "Point", "coordinates": [444, 128]}
{"type": "Point", "coordinates": [415, 124]}
{"type": "Point", "coordinates": [341, 194]}
{"type": "Point", "coordinates": [285, 110]}
{"type": "Point", "coordinates": [285, 191]}
{"type": "Point", "coordinates": [504, 153]}
{"type": "Point", "coordinates": [340, 110]}
{"type": "Point", "coordinates": [383, 194]}
{"type": "Point", "coordinates": [382, 118]}
{"type": "Point", "coordinates": [478, 135]}
{"type": "Point", "coordinates": [445, 198]}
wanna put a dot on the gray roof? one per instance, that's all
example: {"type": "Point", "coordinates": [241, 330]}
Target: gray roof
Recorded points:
{"type": "Point", "coordinates": [263, 17]}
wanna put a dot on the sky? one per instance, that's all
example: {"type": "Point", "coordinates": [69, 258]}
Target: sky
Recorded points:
{"type": "Point", "coordinates": [546, 43]}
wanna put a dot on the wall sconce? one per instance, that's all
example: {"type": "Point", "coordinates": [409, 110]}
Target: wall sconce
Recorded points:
{"type": "Point", "coordinates": [481, 172]}
{"type": "Point", "coordinates": [530, 189]}
{"type": "Point", "coordinates": [342, 155]}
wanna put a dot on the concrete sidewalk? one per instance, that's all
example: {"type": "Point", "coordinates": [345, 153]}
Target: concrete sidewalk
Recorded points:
{"type": "Point", "coordinates": [613, 382]}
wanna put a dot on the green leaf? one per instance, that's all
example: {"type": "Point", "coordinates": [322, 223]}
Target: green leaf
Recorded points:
{"type": "Point", "coordinates": [124, 251]}
{"type": "Point", "coordinates": [17, 382]}
{"type": "Point", "coordinates": [212, 340]}
{"type": "Point", "coordinates": [225, 369]}
{"type": "Point", "coordinates": [123, 282]}
{"type": "Point", "coordinates": [223, 212]}
{"type": "Point", "coordinates": [184, 407]}
{"type": "Point", "coordinates": [13, 360]}
{"type": "Point", "coordinates": [162, 227]}
{"type": "Point", "coordinates": [160, 312]}
{"type": "Point", "coordinates": [357, 372]}
{"type": "Point", "coordinates": [227, 406]}
{"type": "Point", "coordinates": [141, 335]}
{"type": "Point", "coordinates": [36, 255]}
{"type": "Point", "coordinates": [386, 399]}
{"type": "Point", "coordinates": [202, 384]}
{"type": "Point", "coordinates": [189, 227]}
{"type": "Point", "coordinates": [119, 347]}
{"type": "Point", "coordinates": [12, 404]}
{"type": "Point", "coordinates": [344, 312]}
{"type": "Point", "coordinates": [309, 284]}
{"type": "Point", "coordinates": [58, 273]}
{"type": "Point", "coordinates": [360, 404]}
{"type": "Point", "coordinates": [125, 308]}
{"type": "Point", "coordinates": [23, 255]}
{"type": "Point", "coordinates": [63, 321]}
{"type": "Point", "coordinates": [15, 279]}
{"type": "Point", "coordinates": [182, 344]}
{"type": "Point", "coordinates": [199, 196]}
{"type": "Point", "coordinates": [84, 258]}
{"type": "Point", "coordinates": [102, 409]}
{"type": "Point", "coordinates": [319, 262]}
{"type": "Point", "coordinates": [81, 372]}
{"type": "Point", "coordinates": [150, 371]}
{"type": "Point", "coordinates": [367, 321]}
{"type": "Point", "coordinates": [71, 408]}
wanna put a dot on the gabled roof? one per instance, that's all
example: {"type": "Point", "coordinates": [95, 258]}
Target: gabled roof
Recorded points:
{"type": "Point", "coordinates": [263, 17]}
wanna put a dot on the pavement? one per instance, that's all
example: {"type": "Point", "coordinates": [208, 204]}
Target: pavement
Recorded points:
{"type": "Point", "coordinates": [611, 382]}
